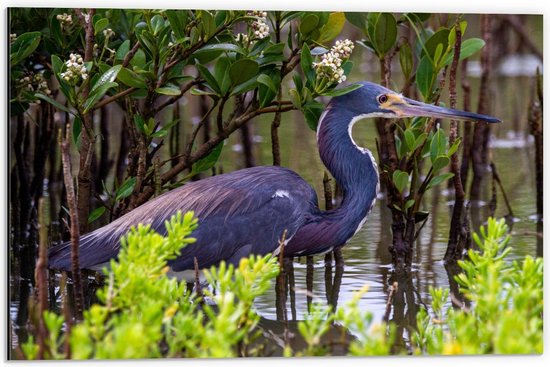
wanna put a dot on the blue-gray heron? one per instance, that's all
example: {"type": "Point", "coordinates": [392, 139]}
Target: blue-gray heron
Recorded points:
{"type": "Point", "coordinates": [246, 211]}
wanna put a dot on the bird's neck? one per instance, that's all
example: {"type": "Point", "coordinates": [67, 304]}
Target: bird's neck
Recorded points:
{"type": "Point", "coordinates": [353, 167]}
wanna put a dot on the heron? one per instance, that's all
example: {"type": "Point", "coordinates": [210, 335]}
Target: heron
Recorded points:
{"type": "Point", "coordinates": [247, 211]}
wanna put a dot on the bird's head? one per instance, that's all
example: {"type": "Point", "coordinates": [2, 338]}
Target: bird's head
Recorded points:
{"type": "Point", "coordinates": [373, 100]}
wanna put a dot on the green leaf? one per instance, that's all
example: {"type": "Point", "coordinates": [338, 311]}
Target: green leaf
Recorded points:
{"type": "Point", "coordinates": [100, 25]}
{"type": "Point", "coordinates": [122, 50]}
{"type": "Point", "coordinates": [159, 134]}
{"type": "Point", "coordinates": [23, 46]}
{"type": "Point", "coordinates": [408, 204]}
{"type": "Point", "coordinates": [439, 37]}
{"type": "Point", "coordinates": [140, 123]}
{"type": "Point", "coordinates": [97, 94]}
{"type": "Point", "coordinates": [266, 80]}
{"type": "Point", "coordinates": [357, 19]}
{"type": "Point", "coordinates": [77, 130]}
{"type": "Point", "coordinates": [131, 79]}
{"type": "Point", "coordinates": [409, 139]}
{"type": "Point", "coordinates": [425, 76]}
{"type": "Point", "coordinates": [439, 179]}
{"type": "Point", "coordinates": [441, 162]}
{"type": "Point", "coordinates": [437, 145]}
{"type": "Point", "coordinates": [275, 49]}
{"type": "Point", "coordinates": [312, 113]}
{"type": "Point", "coordinates": [108, 77]}
{"type": "Point", "coordinates": [209, 161]}
{"type": "Point", "coordinates": [467, 49]}
{"type": "Point", "coordinates": [420, 140]}
{"type": "Point", "coordinates": [452, 33]}
{"type": "Point", "coordinates": [295, 98]}
{"type": "Point", "coordinates": [157, 23]}
{"type": "Point", "coordinates": [333, 27]}
{"type": "Point", "coordinates": [57, 64]}
{"type": "Point", "coordinates": [126, 189]}
{"type": "Point", "coordinates": [178, 21]}
{"type": "Point", "coordinates": [342, 91]}
{"type": "Point", "coordinates": [168, 90]}
{"type": "Point", "coordinates": [306, 62]}
{"type": "Point", "coordinates": [227, 47]}
{"type": "Point", "coordinates": [243, 70]}
{"type": "Point", "coordinates": [207, 75]}
{"type": "Point", "coordinates": [95, 214]}
{"type": "Point", "coordinates": [308, 24]}
{"type": "Point", "coordinates": [53, 102]}
{"type": "Point", "coordinates": [139, 59]}
{"type": "Point", "coordinates": [406, 59]}
{"type": "Point", "coordinates": [223, 64]}
{"type": "Point", "coordinates": [400, 179]}
{"type": "Point", "coordinates": [453, 148]}
{"type": "Point", "coordinates": [385, 33]}
{"type": "Point", "coordinates": [244, 87]}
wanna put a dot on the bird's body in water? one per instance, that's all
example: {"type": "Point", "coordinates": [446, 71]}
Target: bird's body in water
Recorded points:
{"type": "Point", "coordinates": [248, 211]}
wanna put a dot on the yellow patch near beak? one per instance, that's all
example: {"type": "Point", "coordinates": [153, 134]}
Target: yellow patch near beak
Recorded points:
{"type": "Point", "coordinates": [393, 103]}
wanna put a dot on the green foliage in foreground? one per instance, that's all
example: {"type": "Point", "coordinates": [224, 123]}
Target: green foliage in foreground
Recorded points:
{"type": "Point", "coordinates": [145, 314]}
{"type": "Point", "coordinates": [507, 303]}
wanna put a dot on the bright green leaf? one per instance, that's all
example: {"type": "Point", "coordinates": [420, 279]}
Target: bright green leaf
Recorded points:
{"type": "Point", "coordinates": [333, 27]}
{"type": "Point", "coordinates": [168, 90]}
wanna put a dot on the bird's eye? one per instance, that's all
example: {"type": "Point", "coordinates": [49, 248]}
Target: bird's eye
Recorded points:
{"type": "Point", "coordinates": [382, 98]}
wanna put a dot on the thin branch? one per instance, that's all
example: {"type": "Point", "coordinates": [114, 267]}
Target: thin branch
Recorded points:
{"type": "Point", "coordinates": [113, 98]}
{"type": "Point", "coordinates": [75, 234]}
{"type": "Point", "coordinates": [130, 54]}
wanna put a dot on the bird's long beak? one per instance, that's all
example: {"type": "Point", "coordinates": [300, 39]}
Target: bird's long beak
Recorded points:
{"type": "Point", "coordinates": [406, 107]}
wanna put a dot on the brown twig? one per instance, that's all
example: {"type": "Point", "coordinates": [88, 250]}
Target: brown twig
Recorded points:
{"type": "Point", "coordinates": [87, 143]}
{"type": "Point", "coordinates": [41, 274]}
{"type": "Point", "coordinates": [454, 247]}
{"type": "Point", "coordinates": [71, 201]}
{"type": "Point", "coordinates": [207, 147]}
{"type": "Point", "coordinates": [481, 130]}
{"type": "Point", "coordinates": [275, 145]}
{"type": "Point", "coordinates": [130, 54]}
{"type": "Point", "coordinates": [526, 39]}
{"type": "Point", "coordinates": [497, 179]}
{"type": "Point", "coordinates": [106, 101]}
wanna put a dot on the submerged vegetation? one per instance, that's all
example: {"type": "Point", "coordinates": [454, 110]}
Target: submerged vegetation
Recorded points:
{"type": "Point", "coordinates": [143, 313]}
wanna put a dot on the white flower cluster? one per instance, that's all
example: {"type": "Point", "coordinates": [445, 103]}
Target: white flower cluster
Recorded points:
{"type": "Point", "coordinates": [75, 69]}
{"type": "Point", "coordinates": [108, 33]}
{"type": "Point", "coordinates": [343, 48]}
{"type": "Point", "coordinates": [36, 83]}
{"type": "Point", "coordinates": [330, 65]}
{"type": "Point", "coordinates": [13, 37]}
{"type": "Point", "coordinates": [259, 26]}
{"type": "Point", "coordinates": [257, 13]}
{"type": "Point", "coordinates": [65, 19]}
{"type": "Point", "coordinates": [241, 37]}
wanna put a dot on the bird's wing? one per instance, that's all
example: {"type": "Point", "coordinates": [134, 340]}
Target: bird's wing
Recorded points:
{"type": "Point", "coordinates": [239, 213]}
